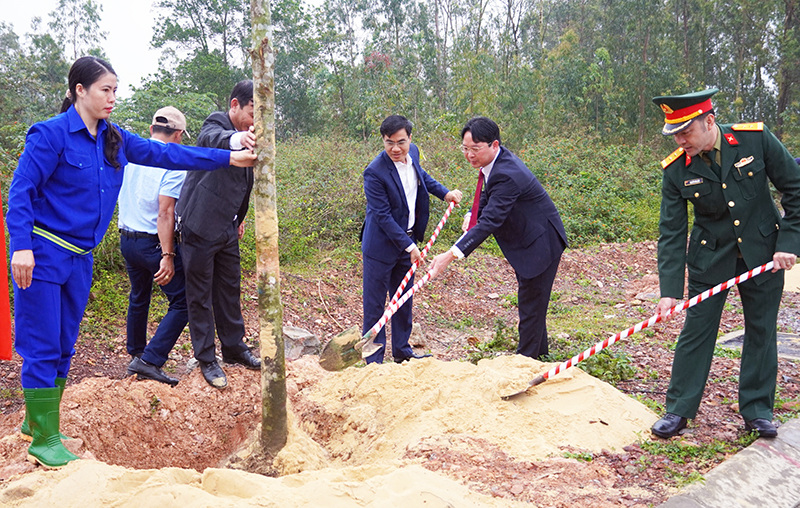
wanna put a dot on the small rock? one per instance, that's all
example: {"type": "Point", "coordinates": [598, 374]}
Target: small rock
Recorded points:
{"type": "Point", "coordinates": [417, 338]}
{"type": "Point", "coordinates": [493, 296]}
{"type": "Point", "coordinates": [299, 342]}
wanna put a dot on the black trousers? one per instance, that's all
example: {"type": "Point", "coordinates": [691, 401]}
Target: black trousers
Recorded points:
{"type": "Point", "coordinates": [533, 298]}
{"type": "Point", "coordinates": [213, 292]}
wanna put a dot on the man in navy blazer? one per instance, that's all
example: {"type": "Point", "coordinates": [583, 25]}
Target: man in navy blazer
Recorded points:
{"type": "Point", "coordinates": [514, 208]}
{"type": "Point", "coordinates": [397, 191]}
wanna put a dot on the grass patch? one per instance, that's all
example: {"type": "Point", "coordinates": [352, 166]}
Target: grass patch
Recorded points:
{"type": "Point", "coordinates": [725, 352]}
{"type": "Point", "coordinates": [504, 340]}
{"type": "Point", "coordinates": [581, 456]}
{"type": "Point", "coordinates": [682, 452]}
{"type": "Point", "coordinates": [651, 404]}
{"type": "Point", "coordinates": [106, 310]}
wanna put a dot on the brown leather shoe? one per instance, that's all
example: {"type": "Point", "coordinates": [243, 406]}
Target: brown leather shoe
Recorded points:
{"type": "Point", "coordinates": [670, 425]}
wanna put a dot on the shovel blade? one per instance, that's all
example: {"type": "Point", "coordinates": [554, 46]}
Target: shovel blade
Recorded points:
{"type": "Point", "coordinates": [340, 352]}
{"type": "Point", "coordinates": [533, 382]}
{"type": "Point", "coordinates": [369, 347]}
{"type": "Point", "coordinates": [516, 395]}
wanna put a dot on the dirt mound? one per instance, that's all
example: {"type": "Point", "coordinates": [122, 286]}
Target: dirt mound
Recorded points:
{"type": "Point", "coordinates": [360, 431]}
{"type": "Point", "coordinates": [145, 424]}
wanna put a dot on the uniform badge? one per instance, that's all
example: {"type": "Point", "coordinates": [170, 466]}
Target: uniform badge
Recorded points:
{"type": "Point", "coordinates": [744, 161]}
{"type": "Point", "coordinates": [666, 109]}
{"type": "Point", "coordinates": [693, 181]}
{"type": "Point", "coordinates": [731, 139]}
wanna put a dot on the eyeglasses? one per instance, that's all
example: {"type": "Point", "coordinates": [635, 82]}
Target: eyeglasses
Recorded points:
{"type": "Point", "coordinates": [474, 149]}
{"type": "Point", "coordinates": [391, 144]}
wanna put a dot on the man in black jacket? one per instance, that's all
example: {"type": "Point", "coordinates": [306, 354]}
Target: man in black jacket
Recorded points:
{"type": "Point", "coordinates": [513, 207]}
{"type": "Point", "coordinates": [211, 211]}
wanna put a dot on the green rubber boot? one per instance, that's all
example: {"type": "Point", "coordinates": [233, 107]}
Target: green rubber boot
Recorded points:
{"type": "Point", "coordinates": [25, 428]}
{"type": "Point", "coordinates": [42, 404]}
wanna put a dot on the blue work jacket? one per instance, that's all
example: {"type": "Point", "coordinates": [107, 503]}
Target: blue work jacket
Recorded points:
{"type": "Point", "coordinates": [66, 187]}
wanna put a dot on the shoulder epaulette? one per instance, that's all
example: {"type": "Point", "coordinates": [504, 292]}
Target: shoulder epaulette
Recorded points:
{"type": "Point", "coordinates": [753, 126]}
{"type": "Point", "coordinates": [671, 158]}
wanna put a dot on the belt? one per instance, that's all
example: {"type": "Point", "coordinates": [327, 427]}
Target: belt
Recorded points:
{"type": "Point", "coordinates": [410, 233]}
{"type": "Point", "coordinates": [137, 234]}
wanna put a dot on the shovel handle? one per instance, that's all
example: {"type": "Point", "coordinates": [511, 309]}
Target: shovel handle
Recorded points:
{"type": "Point", "coordinates": [424, 252]}
{"type": "Point", "coordinates": [679, 307]}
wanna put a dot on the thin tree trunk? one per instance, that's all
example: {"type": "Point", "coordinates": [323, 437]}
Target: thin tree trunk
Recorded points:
{"type": "Point", "coordinates": [787, 65]}
{"type": "Point", "coordinates": [642, 90]}
{"type": "Point", "coordinates": [270, 310]}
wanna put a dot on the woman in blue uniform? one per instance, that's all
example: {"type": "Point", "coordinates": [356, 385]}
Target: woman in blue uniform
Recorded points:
{"type": "Point", "coordinates": [60, 203]}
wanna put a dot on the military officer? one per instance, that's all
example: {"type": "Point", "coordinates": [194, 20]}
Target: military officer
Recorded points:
{"type": "Point", "coordinates": [724, 171]}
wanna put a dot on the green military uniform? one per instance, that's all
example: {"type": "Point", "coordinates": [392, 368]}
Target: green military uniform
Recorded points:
{"type": "Point", "coordinates": [737, 227]}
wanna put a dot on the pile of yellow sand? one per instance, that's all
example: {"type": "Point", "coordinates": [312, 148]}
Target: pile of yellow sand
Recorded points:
{"type": "Point", "coordinates": [88, 483]}
{"type": "Point", "coordinates": [383, 410]}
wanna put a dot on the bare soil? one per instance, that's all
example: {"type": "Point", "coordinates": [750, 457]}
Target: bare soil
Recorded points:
{"type": "Point", "coordinates": [144, 424]}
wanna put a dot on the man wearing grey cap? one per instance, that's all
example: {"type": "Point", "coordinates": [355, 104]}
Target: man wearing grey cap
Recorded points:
{"type": "Point", "coordinates": [146, 227]}
{"type": "Point", "coordinates": [725, 171]}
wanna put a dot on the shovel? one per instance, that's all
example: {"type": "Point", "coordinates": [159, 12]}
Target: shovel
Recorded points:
{"type": "Point", "coordinates": [349, 347]}
{"type": "Point", "coordinates": [541, 378]}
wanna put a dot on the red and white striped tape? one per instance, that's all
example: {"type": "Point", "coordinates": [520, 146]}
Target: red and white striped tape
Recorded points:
{"type": "Point", "coordinates": [653, 320]}
{"type": "Point", "coordinates": [368, 347]}
{"type": "Point", "coordinates": [423, 253]}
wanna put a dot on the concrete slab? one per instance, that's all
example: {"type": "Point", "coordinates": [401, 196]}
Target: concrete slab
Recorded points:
{"type": "Point", "coordinates": [788, 343]}
{"type": "Point", "coordinates": [766, 473]}
{"type": "Point", "coordinates": [792, 280]}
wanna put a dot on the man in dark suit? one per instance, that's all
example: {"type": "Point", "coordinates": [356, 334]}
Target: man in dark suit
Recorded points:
{"type": "Point", "coordinates": [211, 211]}
{"type": "Point", "coordinates": [725, 172]}
{"type": "Point", "coordinates": [514, 208]}
{"type": "Point", "coordinates": [397, 214]}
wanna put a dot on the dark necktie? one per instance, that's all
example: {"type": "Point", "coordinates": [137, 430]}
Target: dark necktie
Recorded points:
{"type": "Point", "coordinates": [473, 219]}
{"type": "Point", "coordinates": [712, 156]}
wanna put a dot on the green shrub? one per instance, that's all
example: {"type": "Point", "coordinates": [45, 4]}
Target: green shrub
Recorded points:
{"type": "Point", "coordinates": [608, 366]}
{"type": "Point", "coordinates": [604, 193]}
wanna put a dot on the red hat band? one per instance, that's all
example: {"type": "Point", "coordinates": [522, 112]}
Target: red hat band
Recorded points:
{"type": "Point", "coordinates": [685, 114]}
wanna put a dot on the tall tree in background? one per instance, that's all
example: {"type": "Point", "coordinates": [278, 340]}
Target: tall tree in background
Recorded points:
{"type": "Point", "coordinates": [788, 60]}
{"type": "Point", "coordinates": [270, 311]}
{"type": "Point", "coordinates": [74, 25]}
{"type": "Point", "coordinates": [208, 41]}
{"type": "Point", "coordinates": [296, 64]}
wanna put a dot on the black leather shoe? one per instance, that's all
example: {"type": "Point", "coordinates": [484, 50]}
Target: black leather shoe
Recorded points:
{"type": "Point", "coordinates": [246, 358]}
{"type": "Point", "coordinates": [413, 356]}
{"type": "Point", "coordinates": [669, 426]}
{"type": "Point", "coordinates": [214, 374]}
{"type": "Point", "coordinates": [144, 370]}
{"type": "Point", "coordinates": [764, 427]}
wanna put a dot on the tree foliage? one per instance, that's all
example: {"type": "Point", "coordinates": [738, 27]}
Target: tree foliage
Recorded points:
{"type": "Point", "coordinates": [540, 68]}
